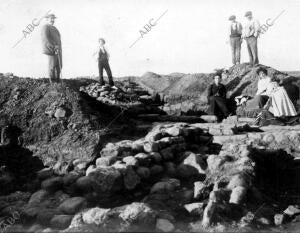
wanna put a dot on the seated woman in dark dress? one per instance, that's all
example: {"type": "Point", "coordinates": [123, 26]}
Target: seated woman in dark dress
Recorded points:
{"type": "Point", "coordinates": [217, 98]}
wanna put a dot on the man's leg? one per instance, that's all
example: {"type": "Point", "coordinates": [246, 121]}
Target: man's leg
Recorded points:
{"type": "Point", "coordinates": [109, 75]}
{"type": "Point", "coordinates": [100, 67]}
{"type": "Point", "coordinates": [51, 68]}
{"type": "Point", "coordinates": [249, 51]}
{"type": "Point", "coordinates": [232, 45]}
{"type": "Point", "coordinates": [57, 69]}
{"type": "Point", "coordinates": [238, 51]}
{"type": "Point", "coordinates": [254, 50]}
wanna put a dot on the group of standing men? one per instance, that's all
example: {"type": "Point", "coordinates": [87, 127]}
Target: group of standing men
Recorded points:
{"type": "Point", "coordinates": [51, 45]}
{"type": "Point", "coordinates": [249, 32]}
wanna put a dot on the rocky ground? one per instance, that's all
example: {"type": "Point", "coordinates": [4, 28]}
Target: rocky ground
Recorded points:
{"type": "Point", "coordinates": [138, 168]}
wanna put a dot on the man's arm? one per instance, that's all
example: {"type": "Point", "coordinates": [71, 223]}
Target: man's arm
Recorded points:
{"type": "Point", "coordinates": [47, 39]}
{"type": "Point", "coordinates": [256, 28]}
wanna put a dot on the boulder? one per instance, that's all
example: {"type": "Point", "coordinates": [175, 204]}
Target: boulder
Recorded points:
{"type": "Point", "coordinates": [52, 184]}
{"type": "Point", "coordinates": [238, 180]}
{"type": "Point", "coordinates": [292, 211]}
{"type": "Point", "coordinates": [45, 173]}
{"type": "Point", "coordinates": [173, 131]}
{"type": "Point", "coordinates": [199, 188]}
{"type": "Point", "coordinates": [130, 161]}
{"type": "Point", "coordinates": [220, 195]}
{"type": "Point", "coordinates": [44, 216]}
{"type": "Point", "coordinates": [151, 146]}
{"type": "Point", "coordinates": [143, 172]}
{"type": "Point", "coordinates": [95, 216]}
{"type": "Point", "coordinates": [60, 113]}
{"type": "Point", "coordinates": [164, 225]}
{"type": "Point", "coordinates": [279, 219]}
{"type": "Point", "coordinates": [61, 221]}
{"type": "Point", "coordinates": [143, 159]}
{"type": "Point", "coordinates": [238, 195]}
{"type": "Point", "coordinates": [105, 161]}
{"type": "Point", "coordinates": [90, 169]}
{"type": "Point", "coordinates": [131, 179]}
{"type": "Point", "coordinates": [196, 161]}
{"type": "Point", "coordinates": [85, 184]}
{"type": "Point", "coordinates": [138, 213]}
{"type": "Point", "coordinates": [156, 157]}
{"type": "Point", "coordinates": [38, 197]}
{"type": "Point", "coordinates": [156, 170]}
{"type": "Point", "coordinates": [70, 178]}
{"type": "Point", "coordinates": [195, 209]}
{"type": "Point", "coordinates": [214, 162]}
{"type": "Point", "coordinates": [165, 186]}
{"type": "Point", "coordinates": [184, 171]}
{"type": "Point", "coordinates": [73, 205]}
{"type": "Point", "coordinates": [170, 169]}
{"type": "Point", "coordinates": [167, 153]}
{"type": "Point", "coordinates": [107, 180]}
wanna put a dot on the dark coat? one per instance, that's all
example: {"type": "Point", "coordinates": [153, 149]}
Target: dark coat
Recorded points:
{"type": "Point", "coordinates": [51, 38]}
{"type": "Point", "coordinates": [214, 90]}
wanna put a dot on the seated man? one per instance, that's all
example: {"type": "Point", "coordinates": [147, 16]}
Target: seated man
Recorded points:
{"type": "Point", "coordinates": [261, 95]}
{"type": "Point", "coordinates": [217, 98]}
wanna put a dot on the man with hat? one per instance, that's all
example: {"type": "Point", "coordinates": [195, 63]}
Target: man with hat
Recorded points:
{"type": "Point", "coordinates": [250, 34]}
{"type": "Point", "coordinates": [235, 34]}
{"type": "Point", "coordinates": [51, 44]}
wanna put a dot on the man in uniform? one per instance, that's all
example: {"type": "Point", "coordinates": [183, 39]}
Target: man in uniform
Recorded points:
{"type": "Point", "coordinates": [51, 44]}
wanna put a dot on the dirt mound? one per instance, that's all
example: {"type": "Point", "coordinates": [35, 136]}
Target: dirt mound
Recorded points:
{"type": "Point", "coordinates": [59, 123]}
{"type": "Point", "coordinates": [187, 93]}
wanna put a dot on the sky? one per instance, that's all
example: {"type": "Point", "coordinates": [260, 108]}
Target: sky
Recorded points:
{"type": "Point", "coordinates": [190, 36]}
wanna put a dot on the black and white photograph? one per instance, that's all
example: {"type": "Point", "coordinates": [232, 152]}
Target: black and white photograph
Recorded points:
{"type": "Point", "coordinates": [149, 116]}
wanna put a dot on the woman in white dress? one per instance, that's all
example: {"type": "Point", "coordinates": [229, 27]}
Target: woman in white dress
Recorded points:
{"type": "Point", "coordinates": [279, 103]}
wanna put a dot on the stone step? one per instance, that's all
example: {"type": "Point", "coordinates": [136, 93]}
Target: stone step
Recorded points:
{"type": "Point", "coordinates": [170, 118]}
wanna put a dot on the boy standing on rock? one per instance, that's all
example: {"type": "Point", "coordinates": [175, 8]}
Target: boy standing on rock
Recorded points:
{"type": "Point", "coordinates": [103, 58]}
{"type": "Point", "coordinates": [51, 44]}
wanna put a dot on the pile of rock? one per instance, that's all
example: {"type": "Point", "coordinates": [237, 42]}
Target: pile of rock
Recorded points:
{"type": "Point", "coordinates": [175, 170]}
{"type": "Point", "coordinates": [126, 93]}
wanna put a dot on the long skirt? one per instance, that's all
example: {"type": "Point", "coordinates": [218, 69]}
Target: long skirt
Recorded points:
{"type": "Point", "coordinates": [281, 105]}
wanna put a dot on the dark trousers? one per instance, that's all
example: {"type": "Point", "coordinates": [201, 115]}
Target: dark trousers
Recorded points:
{"type": "Point", "coordinates": [218, 107]}
{"type": "Point", "coordinates": [252, 49]}
{"type": "Point", "coordinates": [235, 43]}
{"type": "Point", "coordinates": [54, 68]}
{"type": "Point", "coordinates": [105, 65]}
{"type": "Point", "coordinates": [262, 100]}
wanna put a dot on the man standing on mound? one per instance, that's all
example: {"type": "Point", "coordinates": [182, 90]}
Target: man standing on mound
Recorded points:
{"type": "Point", "coordinates": [250, 34]}
{"type": "Point", "coordinates": [235, 34]}
{"type": "Point", "coordinates": [51, 44]}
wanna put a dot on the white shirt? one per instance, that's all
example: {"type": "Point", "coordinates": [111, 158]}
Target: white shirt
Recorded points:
{"type": "Point", "coordinates": [263, 85]}
{"type": "Point", "coordinates": [251, 28]}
